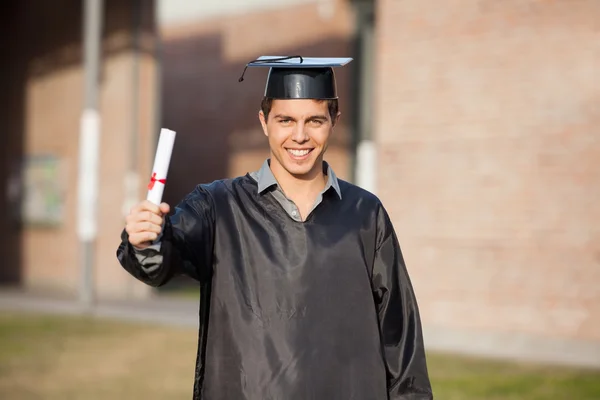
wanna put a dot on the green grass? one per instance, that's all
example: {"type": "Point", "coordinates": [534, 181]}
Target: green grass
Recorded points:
{"type": "Point", "coordinates": [180, 287]}
{"type": "Point", "coordinates": [43, 357]}
{"type": "Point", "coordinates": [187, 292]}
{"type": "Point", "coordinates": [46, 357]}
{"type": "Point", "coordinates": [458, 378]}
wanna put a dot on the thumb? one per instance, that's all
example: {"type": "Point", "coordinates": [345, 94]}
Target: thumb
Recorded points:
{"type": "Point", "coordinates": [164, 208]}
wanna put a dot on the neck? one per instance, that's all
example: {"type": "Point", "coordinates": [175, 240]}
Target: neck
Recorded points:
{"type": "Point", "coordinates": [295, 186]}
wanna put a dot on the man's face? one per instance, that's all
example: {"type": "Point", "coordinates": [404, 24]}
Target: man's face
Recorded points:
{"type": "Point", "coordinates": [298, 132]}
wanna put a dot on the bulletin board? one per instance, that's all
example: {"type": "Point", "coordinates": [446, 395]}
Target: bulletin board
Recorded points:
{"type": "Point", "coordinates": [43, 191]}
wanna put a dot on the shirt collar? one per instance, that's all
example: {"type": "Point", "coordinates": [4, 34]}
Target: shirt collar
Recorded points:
{"type": "Point", "coordinates": [266, 179]}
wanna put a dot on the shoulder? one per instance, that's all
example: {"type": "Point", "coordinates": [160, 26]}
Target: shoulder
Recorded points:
{"type": "Point", "coordinates": [370, 204]}
{"type": "Point", "coordinates": [229, 186]}
{"type": "Point", "coordinates": [217, 189]}
{"type": "Point", "coordinates": [205, 197]}
{"type": "Point", "coordinates": [357, 194]}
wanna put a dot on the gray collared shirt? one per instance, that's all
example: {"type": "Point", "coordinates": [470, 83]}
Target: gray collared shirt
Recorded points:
{"type": "Point", "coordinates": [266, 180]}
{"type": "Point", "coordinates": [150, 257]}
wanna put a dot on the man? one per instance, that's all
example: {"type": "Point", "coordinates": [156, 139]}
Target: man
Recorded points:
{"type": "Point", "coordinates": [304, 291]}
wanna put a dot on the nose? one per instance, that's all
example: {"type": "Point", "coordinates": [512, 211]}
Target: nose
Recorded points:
{"type": "Point", "coordinates": [300, 135]}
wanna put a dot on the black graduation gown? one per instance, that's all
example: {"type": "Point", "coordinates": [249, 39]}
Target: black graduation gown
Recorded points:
{"type": "Point", "coordinates": [316, 310]}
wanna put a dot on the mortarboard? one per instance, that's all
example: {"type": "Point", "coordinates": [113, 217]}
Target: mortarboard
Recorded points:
{"type": "Point", "coordinates": [296, 77]}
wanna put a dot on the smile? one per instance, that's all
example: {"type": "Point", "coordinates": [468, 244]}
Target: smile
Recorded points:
{"type": "Point", "coordinates": [299, 152]}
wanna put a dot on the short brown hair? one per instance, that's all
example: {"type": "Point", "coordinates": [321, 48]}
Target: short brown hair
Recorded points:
{"type": "Point", "coordinates": [332, 105]}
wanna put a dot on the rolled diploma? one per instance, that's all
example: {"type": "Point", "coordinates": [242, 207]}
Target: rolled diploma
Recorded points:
{"type": "Point", "coordinates": [162, 159]}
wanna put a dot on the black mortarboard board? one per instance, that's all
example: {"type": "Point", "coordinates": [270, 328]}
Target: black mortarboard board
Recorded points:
{"type": "Point", "coordinates": [296, 77]}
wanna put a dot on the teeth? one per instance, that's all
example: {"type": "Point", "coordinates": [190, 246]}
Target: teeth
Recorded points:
{"type": "Point", "coordinates": [298, 153]}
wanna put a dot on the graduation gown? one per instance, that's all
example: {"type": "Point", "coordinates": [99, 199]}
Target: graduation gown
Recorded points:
{"type": "Point", "coordinates": [321, 309]}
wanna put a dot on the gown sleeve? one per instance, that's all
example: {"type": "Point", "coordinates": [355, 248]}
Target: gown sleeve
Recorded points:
{"type": "Point", "coordinates": [399, 319]}
{"type": "Point", "coordinates": [185, 246]}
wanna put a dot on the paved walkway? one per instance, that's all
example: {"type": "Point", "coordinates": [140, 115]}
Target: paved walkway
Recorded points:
{"type": "Point", "coordinates": [161, 310]}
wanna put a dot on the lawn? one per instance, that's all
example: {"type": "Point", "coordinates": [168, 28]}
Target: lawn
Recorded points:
{"type": "Point", "coordinates": [43, 357]}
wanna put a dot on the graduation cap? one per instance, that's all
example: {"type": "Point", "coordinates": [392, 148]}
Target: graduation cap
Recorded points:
{"type": "Point", "coordinates": [297, 77]}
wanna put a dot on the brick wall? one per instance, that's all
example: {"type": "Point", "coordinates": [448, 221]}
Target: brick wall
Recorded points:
{"type": "Point", "coordinates": [47, 123]}
{"type": "Point", "coordinates": [487, 116]}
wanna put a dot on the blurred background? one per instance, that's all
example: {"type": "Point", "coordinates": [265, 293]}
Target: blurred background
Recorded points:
{"type": "Point", "coordinates": [475, 122]}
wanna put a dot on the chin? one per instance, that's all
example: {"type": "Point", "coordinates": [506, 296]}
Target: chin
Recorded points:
{"type": "Point", "coordinates": [299, 170]}
{"type": "Point", "coordinates": [298, 167]}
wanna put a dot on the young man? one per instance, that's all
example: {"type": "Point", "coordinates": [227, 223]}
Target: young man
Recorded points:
{"type": "Point", "coordinates": [304, 291]}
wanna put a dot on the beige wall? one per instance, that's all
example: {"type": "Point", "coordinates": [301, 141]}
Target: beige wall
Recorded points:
{"type": "Point", "coordinates": [489, 160]}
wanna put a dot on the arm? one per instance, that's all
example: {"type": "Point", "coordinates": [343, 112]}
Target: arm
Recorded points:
{"type": "Point", "coordinates": [184, 245]}
{"type": "Point", "coordinates": [399, 319]}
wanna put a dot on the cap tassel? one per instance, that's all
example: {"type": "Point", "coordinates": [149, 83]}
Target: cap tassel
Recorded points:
{"type": "Point", "coordinates": [268, 61]}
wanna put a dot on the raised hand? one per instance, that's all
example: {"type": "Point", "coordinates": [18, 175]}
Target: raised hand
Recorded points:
{"type": "Point", "coordinates": [144, 223]}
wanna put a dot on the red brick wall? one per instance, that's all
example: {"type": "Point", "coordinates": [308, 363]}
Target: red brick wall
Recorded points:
{"type": "Point", "coordinates": [487, 121]}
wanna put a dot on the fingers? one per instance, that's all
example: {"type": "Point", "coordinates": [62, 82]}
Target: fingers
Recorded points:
{"type": "Point", "coordinates": [144, 223]}
{"type": "Point", "coordinates": [147, 211]}
{"type": "Point", "coordinates": [145, 216]}
{"type": "Point", "coordinates": [165, 208]}
{"type": "Point", "coordinates": [146, 226]}
{"type": "Point", "coordinates": [142, 233]}
{"type": "Point", "coordinates": [133, 227]}
{"type": "Point", "coordinates": [146, 206]}
{"type": "Point", "coordinates": [142, 239]}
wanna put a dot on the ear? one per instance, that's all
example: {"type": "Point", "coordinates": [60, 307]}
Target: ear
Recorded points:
{"type": "Point", "coordinates": [336, 119]}
{"type": "Point", "coordinates": [263, 122]}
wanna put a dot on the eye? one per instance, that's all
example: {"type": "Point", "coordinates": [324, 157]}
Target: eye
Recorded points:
{"type": "Point", "coordinates": [286, 121]}
{"type": "Point", "coordinates": [316, 122]}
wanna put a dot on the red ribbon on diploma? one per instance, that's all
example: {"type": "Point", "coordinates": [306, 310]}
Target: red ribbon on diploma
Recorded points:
{"type": "Point", "coordinates": [153, 180]}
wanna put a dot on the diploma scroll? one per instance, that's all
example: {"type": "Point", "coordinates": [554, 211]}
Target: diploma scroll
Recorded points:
{"type": "Point", "coordinates": [162, 160]}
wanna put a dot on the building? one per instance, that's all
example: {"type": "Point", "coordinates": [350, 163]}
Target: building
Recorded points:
{"type": "Point", "coordinates": [473, 122]}
{"type": "Point", "coordinates": [486, 116]}
{"type": "Point", "coordinates": [44, 94]}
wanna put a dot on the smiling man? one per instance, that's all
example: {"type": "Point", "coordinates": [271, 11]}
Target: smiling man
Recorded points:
{"type": "Point", "coordinates": [304, 291]}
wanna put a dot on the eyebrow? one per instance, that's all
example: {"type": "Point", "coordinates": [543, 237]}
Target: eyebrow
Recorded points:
{"type": "Point", "coordinates": [312, 117]}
